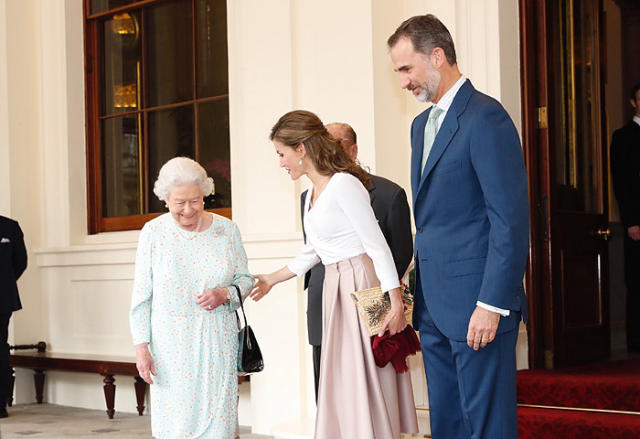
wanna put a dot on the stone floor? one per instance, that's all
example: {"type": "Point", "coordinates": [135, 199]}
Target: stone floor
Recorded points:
{"type": "Point", "coordinates": [56, 422]}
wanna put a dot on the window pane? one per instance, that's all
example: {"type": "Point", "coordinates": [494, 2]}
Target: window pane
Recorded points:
{"type": "Point", "coordinates": [213, 144]}
{"type": "Point", "coordinates": [98, 6]}
{"type": "Point", "coordinates": [170, 135]}
{"type": "Point", "coordinates": [120, 167]}
{"type": "Point", "coordinates": [211, 28]}
{"type": "Point", "coordinates": [121, 38]}
{"type": "Point", "coordinates": [169, 62]}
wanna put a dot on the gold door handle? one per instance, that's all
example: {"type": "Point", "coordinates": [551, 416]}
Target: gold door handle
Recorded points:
{"type": "Point", "coordinates": [604, 233]}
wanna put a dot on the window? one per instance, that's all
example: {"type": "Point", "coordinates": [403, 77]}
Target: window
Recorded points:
{"type": "Point", "coordinates": [156, 88]}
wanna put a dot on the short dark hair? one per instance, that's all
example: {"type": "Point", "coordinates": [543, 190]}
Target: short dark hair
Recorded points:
{"type": "Point", "coordinates": [426, 33]}
{"type": "Point", "coordinates": [634, 90]}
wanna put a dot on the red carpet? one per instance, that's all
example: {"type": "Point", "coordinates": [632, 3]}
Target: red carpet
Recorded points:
{"type": "Point", "coordinates": [535, 423]}
{"type": "Point", "coordinates": [611, 385]}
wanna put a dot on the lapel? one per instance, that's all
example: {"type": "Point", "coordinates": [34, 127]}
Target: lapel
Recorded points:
{"type": "Point", "coordinates": [416, 151]}
{"type": "Point", "coordinates": [447, 130]}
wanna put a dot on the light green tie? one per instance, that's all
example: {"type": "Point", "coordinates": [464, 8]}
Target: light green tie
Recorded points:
{"type": "Point", "coordinates": [430, 131]}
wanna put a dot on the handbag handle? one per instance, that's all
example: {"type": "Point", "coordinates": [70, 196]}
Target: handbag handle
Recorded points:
{"type": "Point", "coordinates": [241, 306]}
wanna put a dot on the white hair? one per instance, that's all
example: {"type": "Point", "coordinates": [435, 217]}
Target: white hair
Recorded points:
{"type": "Point", "coordinates": [180, 171]}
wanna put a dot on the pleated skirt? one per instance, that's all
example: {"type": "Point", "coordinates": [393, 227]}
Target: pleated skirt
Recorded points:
{"type": "Point", "coordinates": [356, 398]}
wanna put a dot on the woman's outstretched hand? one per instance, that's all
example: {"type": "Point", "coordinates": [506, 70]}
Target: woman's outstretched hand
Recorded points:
{"type": "Point", "coordinates": [264, 283]}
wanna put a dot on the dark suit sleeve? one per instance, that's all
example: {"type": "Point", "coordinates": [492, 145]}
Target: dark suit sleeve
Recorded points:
{"type": "Point", "coordinates": [307, 275]}
{"type": "Point", "coordinates": [19, 253]}
{"type": "Point", "coordinates": [400, 239]}
{"type": "Point", "coordinates": [302, 197]}
{"type": "Point", "coordinates": [621, 174]}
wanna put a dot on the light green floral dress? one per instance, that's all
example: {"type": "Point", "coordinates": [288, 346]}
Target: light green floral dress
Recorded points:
{"type": "Point", "coordinates": [195, 392]}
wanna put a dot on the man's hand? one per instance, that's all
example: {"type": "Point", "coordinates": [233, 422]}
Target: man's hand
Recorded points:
{"type": "Point", "coordinates": [634, 233]}
{"type": "Point", "coordinates": [483, 325]}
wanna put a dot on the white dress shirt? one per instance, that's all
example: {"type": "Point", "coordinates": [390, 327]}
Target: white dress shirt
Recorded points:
{"type": "Point", "coordinates": [444, 103]}
{"type": "Point", "coordinates": [340, 225]}
{"type": "Point", "coordinates": [447, 99]}
{"type": "Point", "coordinates": [636, 119]}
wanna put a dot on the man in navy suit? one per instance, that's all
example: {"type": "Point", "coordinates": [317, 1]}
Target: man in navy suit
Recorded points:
{"type": "Point", "coordinates": [13, 262]}
{"type": "Point", "coordinates": [390, 206]}
{"type": "Point", "coordinates": [471, 211]}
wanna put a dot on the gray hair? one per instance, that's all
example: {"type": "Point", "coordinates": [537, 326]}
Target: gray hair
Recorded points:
{"type": "Point", "coordinates": [426, 33]}
{"type": "Point", "coordinates": [180, 171]}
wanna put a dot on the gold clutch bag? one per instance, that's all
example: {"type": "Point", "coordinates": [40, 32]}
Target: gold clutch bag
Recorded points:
{"type": "Point", "coordinates": [374, 305]}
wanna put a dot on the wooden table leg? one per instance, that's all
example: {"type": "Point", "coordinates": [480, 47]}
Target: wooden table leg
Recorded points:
{"type": "Point", "coordinates": [38, 379]}
{"type": "Point", "coordinates": [11, 381]}
{"type": "Point", "coordinates": [109, 394]}
{"type": "Point", "coordinates": [141, 390]}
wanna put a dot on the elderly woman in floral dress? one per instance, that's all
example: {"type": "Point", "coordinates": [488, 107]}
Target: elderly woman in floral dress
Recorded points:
{"type": "Point", "coordinates": [182, 309]}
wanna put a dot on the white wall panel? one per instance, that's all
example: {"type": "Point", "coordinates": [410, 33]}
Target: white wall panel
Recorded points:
{"type": "Point", "coordinates": [5, 168]}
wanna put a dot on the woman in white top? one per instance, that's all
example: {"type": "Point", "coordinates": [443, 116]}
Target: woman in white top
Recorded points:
{"type": "Point", "coordinates": [356, 399]}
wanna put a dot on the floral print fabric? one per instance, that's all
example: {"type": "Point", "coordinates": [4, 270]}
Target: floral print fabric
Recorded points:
{"type": "Point", "coordinates": [195, 392]}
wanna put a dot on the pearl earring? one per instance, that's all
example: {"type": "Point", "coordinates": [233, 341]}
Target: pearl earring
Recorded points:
{"type": "Point", "coordinates": [300, 162]}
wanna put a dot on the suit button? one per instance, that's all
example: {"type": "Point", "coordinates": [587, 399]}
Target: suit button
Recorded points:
{"type": "Point", "coordinates": [419, 230]}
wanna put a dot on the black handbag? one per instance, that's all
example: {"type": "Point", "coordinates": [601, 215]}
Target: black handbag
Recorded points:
{"type": "Point", "coordinates": [249, 355]}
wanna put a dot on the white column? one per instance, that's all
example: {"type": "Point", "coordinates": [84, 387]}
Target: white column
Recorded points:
{"type": "Point", "coordinates": [20, 154]}
{"type": "Point", "coordinates": [53, 123]}
{"type": "Point", "coordinates": [5, 169]}
{"type": "Point", "coordinates": [265, 204]}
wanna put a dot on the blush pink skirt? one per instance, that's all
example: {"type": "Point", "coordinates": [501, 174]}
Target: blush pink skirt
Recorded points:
{"type": "Point", "coordinates": [357, 399]}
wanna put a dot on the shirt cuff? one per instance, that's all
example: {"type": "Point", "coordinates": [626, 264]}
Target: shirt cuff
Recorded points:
{"type": "Point", "coordinates": [389, 286]}
{"type": "Point", "coordinates": [502, 312]}
{"type": "Point", "coordinates": [296, 269]}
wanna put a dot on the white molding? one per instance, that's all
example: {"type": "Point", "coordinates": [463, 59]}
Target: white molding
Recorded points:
{"type": "Point", "coordinates": [258, 247]}
{"type": "Point", "coordinates": [5, 156]}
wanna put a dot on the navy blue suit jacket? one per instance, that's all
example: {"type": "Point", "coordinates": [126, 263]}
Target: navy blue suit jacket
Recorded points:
{"type": "Point", "coordinates": [471, 213]}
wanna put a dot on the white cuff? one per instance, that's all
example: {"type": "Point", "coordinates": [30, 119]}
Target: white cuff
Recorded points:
{"type": "Point", "coordinates": [502, 312]}
{"type": "Point", "coordinates": [296, 268]}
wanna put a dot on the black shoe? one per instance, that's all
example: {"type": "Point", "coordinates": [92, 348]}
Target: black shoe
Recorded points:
{"type": "Point", "coordinates": [3, 412]}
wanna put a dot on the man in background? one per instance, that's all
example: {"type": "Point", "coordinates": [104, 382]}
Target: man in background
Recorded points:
{"type": "Point", "coordinates": [13, 262]}
{"type": "Point", "coordinates": [390, 206]}
{"type": "Point", "coordinates": [625, 170]}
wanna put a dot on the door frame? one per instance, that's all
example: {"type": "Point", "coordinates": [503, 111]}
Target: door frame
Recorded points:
{"type": "Point", "coordinates": [535, 140]}
{"type": "Point", "coordinates": [535, 97]}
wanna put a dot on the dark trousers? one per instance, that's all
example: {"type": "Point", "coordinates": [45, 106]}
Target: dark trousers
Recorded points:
{"type": "Point", "coordinates": [632, 280]}
{"type": "Point", "coordinates": [472, 394]}
{"type": "Point", "coordinates": [316, 367]}
{"type": "Point", "coordinates": [4, 358]}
